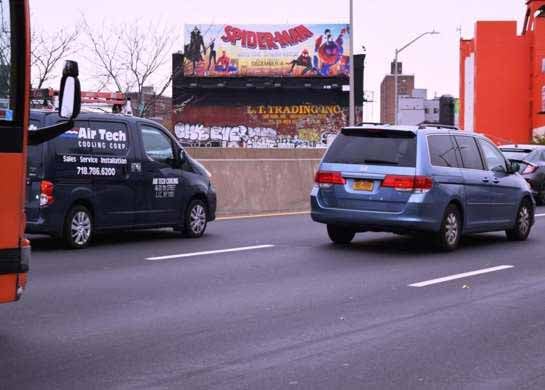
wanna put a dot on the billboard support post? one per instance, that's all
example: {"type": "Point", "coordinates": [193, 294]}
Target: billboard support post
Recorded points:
{"type": "Point", "coordinates": [352, 91]}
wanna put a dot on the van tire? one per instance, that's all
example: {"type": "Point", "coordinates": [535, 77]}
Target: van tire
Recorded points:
{"type": "Point", "coordinates": [78, 227]}
{"type": "Point", "coordinates": [450, 234]}
{"type": "Point", "coordinates": [195, 219]}
{"type": "Point", "coordinates": [340, 235]}
{"type": "Point", "coordinates": [523, 223]}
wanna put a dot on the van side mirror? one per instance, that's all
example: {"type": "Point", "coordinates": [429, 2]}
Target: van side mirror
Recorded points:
{"type": "Point", "coordinates": [70, 92]}
{"type": "Point", "coordinates": [182, 156]}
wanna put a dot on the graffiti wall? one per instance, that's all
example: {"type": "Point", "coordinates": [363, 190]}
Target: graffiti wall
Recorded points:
{"type": "Point", "coordinates": [260, 126]}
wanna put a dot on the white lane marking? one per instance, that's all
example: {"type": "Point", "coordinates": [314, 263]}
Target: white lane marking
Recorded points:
{"type": "Point", "coordinates": [184, 255]}
{"type": "Point", "coordinates": [540, 215]}
{"type": "Point", "coordinates": [460, 276]}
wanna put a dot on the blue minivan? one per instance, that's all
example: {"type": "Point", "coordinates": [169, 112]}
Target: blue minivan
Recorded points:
{"type": "Point", "coordinates": [112, 172]}
{"type": "Point", "coordinates": [419, 179]}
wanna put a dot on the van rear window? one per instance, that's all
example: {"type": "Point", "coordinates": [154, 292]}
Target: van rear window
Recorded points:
{"type": "Point", "coordinates": [373, 148]}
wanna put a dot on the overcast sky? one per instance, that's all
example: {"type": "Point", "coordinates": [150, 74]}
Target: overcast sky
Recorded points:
{"type": "Point", "coordinates": [379, 25]}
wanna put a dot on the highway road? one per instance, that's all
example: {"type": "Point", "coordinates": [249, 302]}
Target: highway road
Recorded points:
{"type": "Point", "coordinates": [269, 303]}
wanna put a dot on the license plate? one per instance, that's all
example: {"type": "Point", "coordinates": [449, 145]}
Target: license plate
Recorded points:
{"type": "Point", "coordinates": [362, 185]}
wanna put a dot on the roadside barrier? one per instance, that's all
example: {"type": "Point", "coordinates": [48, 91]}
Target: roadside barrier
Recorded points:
{"type": "Point", "coordinates": [256, 181]}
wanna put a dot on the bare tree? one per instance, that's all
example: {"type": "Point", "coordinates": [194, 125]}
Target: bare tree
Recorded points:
{"type": "Point", "coordinates": [131, 56]}
{"type": "Point", "coordinates": [48, 50]}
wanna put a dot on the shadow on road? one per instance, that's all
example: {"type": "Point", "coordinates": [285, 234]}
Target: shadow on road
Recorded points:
{"type": "Point", "coordinates": [45, 243]}
{"type": "Point", "coordinates": [417, 246]}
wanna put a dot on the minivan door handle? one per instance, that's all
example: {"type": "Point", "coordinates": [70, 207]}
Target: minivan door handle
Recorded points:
{"type": "Point", "coordinates": [496, 181]}
{"type": "Point", "coordinates": [486, 180]}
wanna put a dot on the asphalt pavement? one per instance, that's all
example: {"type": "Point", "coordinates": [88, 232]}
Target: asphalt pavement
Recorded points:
{"type": "Point", "coordinates": [270, 303]}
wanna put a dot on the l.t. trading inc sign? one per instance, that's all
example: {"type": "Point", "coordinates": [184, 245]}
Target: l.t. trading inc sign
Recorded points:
{"type": "Point", "coordinates": [267, 50]}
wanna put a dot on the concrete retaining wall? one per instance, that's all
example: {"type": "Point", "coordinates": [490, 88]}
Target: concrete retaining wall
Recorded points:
{"type": "Point", "coordinates": [255, 181]}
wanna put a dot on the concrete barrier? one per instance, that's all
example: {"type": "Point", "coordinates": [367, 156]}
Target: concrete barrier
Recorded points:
{"type": "Point", "coordinates": [257, 181]}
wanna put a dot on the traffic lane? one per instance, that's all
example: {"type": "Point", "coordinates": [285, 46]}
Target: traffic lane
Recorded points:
{"type": "Point", "coordinates": [291, 267]}
{"type": "Point", "coordinates": [289, 302]}
{"type": "Point", "coordinates": [381, 261]}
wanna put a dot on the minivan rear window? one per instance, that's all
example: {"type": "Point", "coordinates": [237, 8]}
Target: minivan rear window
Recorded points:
{"type": "Point", "coordinates": [373, 148]}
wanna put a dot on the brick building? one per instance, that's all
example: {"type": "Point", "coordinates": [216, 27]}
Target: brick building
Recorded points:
{"type": "Point", "coordinates": [387, 93]}
{"type": "Point", "coordinates": [502, 78]}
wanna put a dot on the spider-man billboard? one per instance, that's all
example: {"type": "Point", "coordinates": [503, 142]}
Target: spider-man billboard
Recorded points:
{"type": "Point", "coordinates": [318, 50]}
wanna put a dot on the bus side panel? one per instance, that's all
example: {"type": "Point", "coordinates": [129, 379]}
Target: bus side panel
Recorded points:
{"type": "Point", "coordinates": [12, 196]}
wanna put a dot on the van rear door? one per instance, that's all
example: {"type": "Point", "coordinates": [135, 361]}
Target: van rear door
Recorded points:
{"type": "Point", "coordinates": [372, 162]}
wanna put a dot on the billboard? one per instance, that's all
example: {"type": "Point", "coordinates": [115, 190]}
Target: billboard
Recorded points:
{"type": "Point", "coordinates": [305, 50]}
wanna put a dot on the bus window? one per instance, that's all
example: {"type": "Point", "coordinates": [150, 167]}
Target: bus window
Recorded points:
{"type": "Point", "coordinates": [7, 98]}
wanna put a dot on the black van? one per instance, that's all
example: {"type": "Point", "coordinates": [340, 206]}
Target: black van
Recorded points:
{"type": "Point", "coordinates": [113, 172]}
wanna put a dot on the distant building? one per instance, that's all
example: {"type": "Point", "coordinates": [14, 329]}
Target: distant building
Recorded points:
{"type": "Point", "coordinates": [502, 78]}
{"type": "Point", "coordinates": [387, 93]}
{"type": "Point", "coordinates": [158, 108]}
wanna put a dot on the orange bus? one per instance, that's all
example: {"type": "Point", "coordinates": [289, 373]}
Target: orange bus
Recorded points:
{"type": "Point", "coordinates": [14, 137]}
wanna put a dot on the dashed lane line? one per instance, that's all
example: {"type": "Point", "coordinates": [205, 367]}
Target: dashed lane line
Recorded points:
{"type": "Point", "coordinates": [205, 253]}
{"type": "Point", "coordinates": [461, 276]}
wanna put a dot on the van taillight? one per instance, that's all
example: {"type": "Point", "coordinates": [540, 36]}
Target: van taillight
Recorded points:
{"type": "Point", "coordinates": [46, 193]}
{"type": "Point", "coordinates": [327, 179]}
{"type": "Point", "coordinates": [408, 183]}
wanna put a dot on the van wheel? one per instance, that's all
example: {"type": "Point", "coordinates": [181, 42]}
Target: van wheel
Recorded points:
{"type": "Point", "coordinates": [448, 238]}
{"type": "Point", "coordinates": [340, 235]}
{"type": "Point", "coordinates": [523, 224]}
{"type": "Point", "coordinates": [78, 227]}
{"type": "Point", "coordinates": [196, 219]}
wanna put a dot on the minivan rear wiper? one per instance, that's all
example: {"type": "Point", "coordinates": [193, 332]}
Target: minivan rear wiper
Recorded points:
{"type": "Point", "coordinates": [381, 162]}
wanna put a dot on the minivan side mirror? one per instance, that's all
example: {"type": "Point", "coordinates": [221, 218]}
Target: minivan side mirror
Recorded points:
{"type": "Point", "coordinates": [513, 166]}
{"type": "Point", "coordinates": [182, 156]}
{"type": "Point", "coordinates": [70, 92]}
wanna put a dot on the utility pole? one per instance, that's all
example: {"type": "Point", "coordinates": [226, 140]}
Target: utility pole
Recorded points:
{"type": "Point", "coordinates": [396, 103]}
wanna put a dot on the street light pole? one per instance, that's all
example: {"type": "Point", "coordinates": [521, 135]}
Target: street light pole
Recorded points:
{"type": "Point", "coordinates": [352, 98]}
{"type": "Point", "coordinates": [396, 100]}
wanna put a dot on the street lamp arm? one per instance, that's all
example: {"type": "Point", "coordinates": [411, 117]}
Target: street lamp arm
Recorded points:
{"type": "Point", "coordinates": [416, 39]}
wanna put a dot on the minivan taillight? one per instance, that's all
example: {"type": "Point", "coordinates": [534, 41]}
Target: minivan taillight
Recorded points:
{"type": "Point", "coordinates": [46, 193]}
{"type": "Point", "coordinates": [327, 179]}
{"type": "Point", "coordinates": [408, 183]}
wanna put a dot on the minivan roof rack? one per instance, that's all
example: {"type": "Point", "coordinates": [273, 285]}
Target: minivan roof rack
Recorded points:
{"type": "Point", "coordinates": [437, 126]}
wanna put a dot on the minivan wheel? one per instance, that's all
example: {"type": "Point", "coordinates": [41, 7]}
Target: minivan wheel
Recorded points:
{"type": "Point", "coordinates": [523, 224]}
{"type": "Point", "coordinates": [451, 229]}
{"type": "Point", "coordinates": [78, 227]}
{"type": "Point", "coordinates": [340, 235]}
{"type": "Point", "coordinates": [196, 219]}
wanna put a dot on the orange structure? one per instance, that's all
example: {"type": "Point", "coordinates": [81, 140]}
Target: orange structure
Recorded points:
{"type": "Point", "coordinates": [502, 78]}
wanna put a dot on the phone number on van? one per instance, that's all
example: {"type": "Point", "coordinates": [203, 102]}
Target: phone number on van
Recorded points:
{"type": "Point", "coordinates": [96, 171]}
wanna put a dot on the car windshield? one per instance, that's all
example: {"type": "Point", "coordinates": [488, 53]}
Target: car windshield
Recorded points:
{"type": "Point", "coordinates": [373, 148]}
{"type": "Point", "coordinates": [536, 156]}
{"type": "Point", "coordinates": [515, 154]}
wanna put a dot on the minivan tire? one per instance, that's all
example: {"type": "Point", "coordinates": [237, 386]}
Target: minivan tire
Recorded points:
{"type": "Point", "coordinates": [78, 227]}
{"type": "Point", "coordinates": [340, 235]}
{"type": "Point", "coordinates": [523, 223]}
{"type": "Point", "coordinates": [196, 219]}
{"type": "Point", "coordinates": [450, 234]}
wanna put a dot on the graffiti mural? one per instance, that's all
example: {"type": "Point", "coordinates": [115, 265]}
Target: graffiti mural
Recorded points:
{"type": "Point", "coordinates": [260, 126]}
